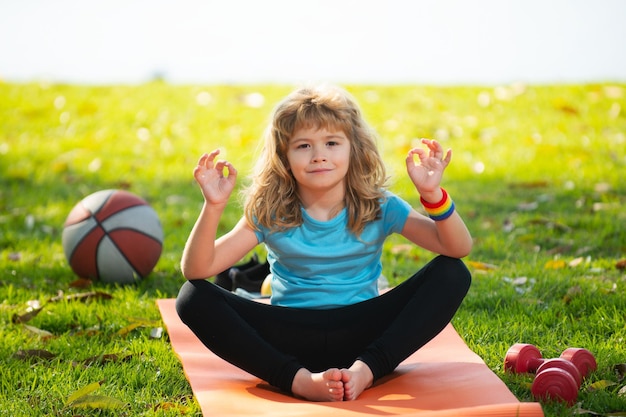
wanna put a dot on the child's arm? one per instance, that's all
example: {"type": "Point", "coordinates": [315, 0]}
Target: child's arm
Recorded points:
{"type": "Point", "coordinates": [203, 255]}
{"type": "Point", "coordinates": [447, 237]}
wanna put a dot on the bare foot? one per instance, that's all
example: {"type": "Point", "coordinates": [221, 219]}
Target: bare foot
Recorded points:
{"type": "Point", "coordinates": [322, 386]}
{"type": "Point", "coordinates": [356, 379]}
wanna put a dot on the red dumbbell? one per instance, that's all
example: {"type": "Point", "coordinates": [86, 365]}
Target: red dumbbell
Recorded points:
{"type": "Point", "coordinates": [523, 357]}
{"type": "Point", "coordinates": [557, 379]}
{"type": "Point", "coordinates": [582, 358]}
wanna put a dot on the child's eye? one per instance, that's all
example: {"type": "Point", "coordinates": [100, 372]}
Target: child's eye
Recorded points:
{"type": "Point", "coordinates": [332, 143]}
{"type": "Point", "coordinates": [303, 146]}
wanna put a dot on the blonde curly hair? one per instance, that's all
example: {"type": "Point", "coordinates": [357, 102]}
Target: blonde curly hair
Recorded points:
{"type": "Point", "coordinates": [272, 199]}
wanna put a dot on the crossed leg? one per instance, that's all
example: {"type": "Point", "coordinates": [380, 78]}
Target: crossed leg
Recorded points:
{"type": "Point", "coordinates": [280, 344]}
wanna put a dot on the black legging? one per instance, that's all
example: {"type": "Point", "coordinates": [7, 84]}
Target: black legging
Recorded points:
{"type": "Point", "coordinates": [273, 342]}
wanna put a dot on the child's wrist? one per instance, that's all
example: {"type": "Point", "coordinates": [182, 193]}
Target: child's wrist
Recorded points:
{"type": "Point", "coordinates": [440, 210]}
{"type": "Point", "coordinates": [432, 197]}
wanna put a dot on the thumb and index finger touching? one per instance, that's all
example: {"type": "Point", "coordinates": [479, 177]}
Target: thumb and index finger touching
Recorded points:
{"type": "Point", "coordinates": [434, 150]}
{"type": "Point", "coordinates": [207, 164]}
{"type": "Point", "coordinates": [216, 178]}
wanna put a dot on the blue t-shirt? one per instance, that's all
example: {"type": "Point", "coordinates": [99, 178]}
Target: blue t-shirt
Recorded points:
{"type": "Point", "coordinates": [321, 264]}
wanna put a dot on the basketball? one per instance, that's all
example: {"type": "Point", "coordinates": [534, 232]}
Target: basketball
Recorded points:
{"type": "Point", "coordinates": [112, 236]}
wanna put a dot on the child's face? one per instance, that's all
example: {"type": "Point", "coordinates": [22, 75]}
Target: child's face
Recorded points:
{"type": "Point", "coordinates": [319, 159]}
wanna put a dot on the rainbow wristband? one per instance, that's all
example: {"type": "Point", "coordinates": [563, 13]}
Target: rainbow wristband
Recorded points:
{"type": "Point", "coordinates": [441, 210]}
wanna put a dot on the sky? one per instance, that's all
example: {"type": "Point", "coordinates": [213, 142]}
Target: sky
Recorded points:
{"type": "Point", "coordinates": [288, 41]}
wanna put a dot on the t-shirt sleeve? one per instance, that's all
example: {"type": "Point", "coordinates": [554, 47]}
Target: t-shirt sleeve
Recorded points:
{"type": "Point", "coordinates": [395, 213]}
{"type": "Point", "coordinates": [260, 231]}
{"type": "Point", "coordinates": [260, 235]}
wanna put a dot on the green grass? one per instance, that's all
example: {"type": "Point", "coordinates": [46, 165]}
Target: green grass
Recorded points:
{"type": "Point", "coordinates": [538, 173]}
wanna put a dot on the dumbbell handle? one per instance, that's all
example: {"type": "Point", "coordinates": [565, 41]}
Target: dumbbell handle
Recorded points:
{"type": "Point", "coordinates": [534, 363]}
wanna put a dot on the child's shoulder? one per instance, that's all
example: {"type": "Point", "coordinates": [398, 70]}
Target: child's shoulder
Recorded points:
{"type": "Point", "coordinates": [394, 203]}
{"type": "Point", "coordinates": [390, 196]}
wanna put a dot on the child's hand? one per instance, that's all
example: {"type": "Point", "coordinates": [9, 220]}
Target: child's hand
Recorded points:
{"type": "Point", "coordinates": [426, 175]}
{"type": "Point", "coordinates": [209, 174]}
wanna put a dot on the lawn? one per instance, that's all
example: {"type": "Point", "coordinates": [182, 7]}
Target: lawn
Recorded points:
{"type": "Point", "coordinates": [538, 174]}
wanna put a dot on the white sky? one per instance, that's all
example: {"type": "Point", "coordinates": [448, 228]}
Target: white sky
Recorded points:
{"type": "Point", "coordinates": [358, 41]}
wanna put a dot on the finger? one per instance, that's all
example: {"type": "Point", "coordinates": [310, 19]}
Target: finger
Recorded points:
{"type": "Point", "coordinates": [219, 166]}
{"type": "Point", "coordinates": [410, 158]}
{"type": "Point", "coordinates": [211, 158]}
{"type": "Point", "coordinates": [203, 158]}
{"type": "Point", "coordinates": [437, 149]}
{"type": "Point", "coordinates": [448, 157]}
{"type": "Point", "coordinates": [430, 143]}
{"type": "Point", "coordinates": [409, 161]}
{"type": "Point", "coordinates": [225, 169]}
{"type": "Point", "coordinates": [432, 147]}
{"type": "Point", "coordinates": [438, 152]}
{"type": "Point", "coordinates": [232, 172]}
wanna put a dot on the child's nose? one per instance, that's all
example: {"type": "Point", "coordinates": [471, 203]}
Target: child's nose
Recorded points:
{"type": "Point", "coordinates": [319, 155]}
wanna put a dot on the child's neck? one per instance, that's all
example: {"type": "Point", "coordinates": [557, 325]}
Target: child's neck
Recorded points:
{"type": "Point", "coordinates": [323, 207]}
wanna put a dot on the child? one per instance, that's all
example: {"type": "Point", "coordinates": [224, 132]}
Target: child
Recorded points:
{"type": "Point", "coordinates": [319, 204]}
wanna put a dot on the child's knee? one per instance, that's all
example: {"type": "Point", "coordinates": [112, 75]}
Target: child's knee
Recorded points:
{"type": "Point", "coordinates": [182, 301]}
{"type": "Point", "coordinates": [454, 270]}
{"type": "Point", "coordinates": [192, 296]}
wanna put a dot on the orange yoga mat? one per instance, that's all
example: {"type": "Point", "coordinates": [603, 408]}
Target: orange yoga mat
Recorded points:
{"type": "Point", "coordinates": [444, 378]}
